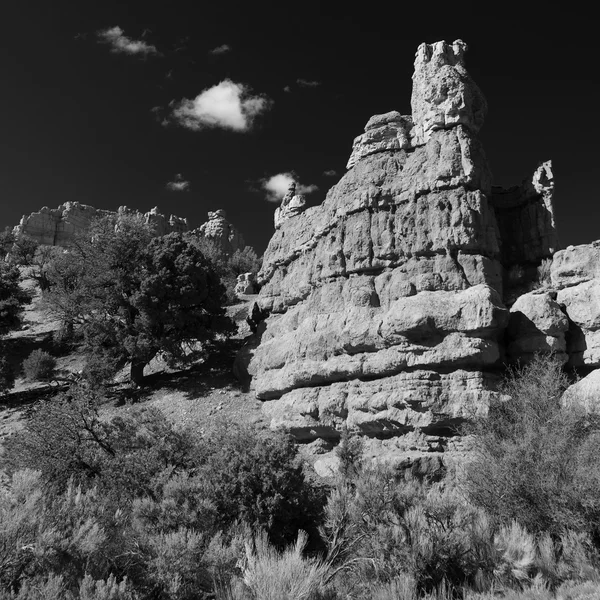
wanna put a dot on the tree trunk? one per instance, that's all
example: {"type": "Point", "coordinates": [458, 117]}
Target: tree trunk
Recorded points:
{"type": "Point", "coordinates": [137, 372]}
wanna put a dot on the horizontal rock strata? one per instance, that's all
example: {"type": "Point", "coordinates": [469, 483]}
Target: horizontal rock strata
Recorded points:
{"type": "Point", "coordinates": [57, 226]}
{"type": "Point", "coordinates": [385, 307]}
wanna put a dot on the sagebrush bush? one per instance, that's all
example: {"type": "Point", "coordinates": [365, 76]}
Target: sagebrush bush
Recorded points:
{"type": "Point", "coordinates": [271, 574]}
{"type": "Point", "coordinates": [39, 366]}
{"type": "Point", "coordinates": [535, 461]}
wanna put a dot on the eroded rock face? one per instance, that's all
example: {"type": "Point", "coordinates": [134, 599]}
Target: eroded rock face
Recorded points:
{"type": "Point", "coordinates": [385, 301]}
{"type": "Point", "coordinates": [291, 205]}
{"type": "Point", "coordinates": [536, 325]}
{"type": "Point", "coordinates": [221, 232]}
{"type": "Point", "coordinates": [444, 95]}
{"type": "Point", "coordinates": [57, 226]}
{"type": "Point", "coordinates": [246, 284]}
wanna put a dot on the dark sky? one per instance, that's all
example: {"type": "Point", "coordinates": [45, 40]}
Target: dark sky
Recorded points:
{"type": "Point", "coordinates": [77, 123]}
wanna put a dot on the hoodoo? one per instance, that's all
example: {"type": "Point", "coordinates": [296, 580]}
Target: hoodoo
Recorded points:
{"type": "Point", "coordinates": [386, 306]}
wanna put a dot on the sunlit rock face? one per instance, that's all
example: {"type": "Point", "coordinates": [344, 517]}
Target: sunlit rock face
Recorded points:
{"type": "Point", "coordinates": [386, 313]}
{"type": "Point", "coordinates": [221, 232]}
{"type": "Point", "coordinates": [395, 305]}
{"type": "Point", "coordinates": [57, 226]}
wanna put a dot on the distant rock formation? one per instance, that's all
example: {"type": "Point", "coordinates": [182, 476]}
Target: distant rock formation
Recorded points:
{"type": "Point", "coordinates": [221, 232]}
{"type": "Point", "coordinates": [246, 284]}
{"type": "Point", "coordinates": [57, 226]}
{"type": "Point", "coordinates": [291, 205]}
{"type": "Point", "coordinates": [386, 306]}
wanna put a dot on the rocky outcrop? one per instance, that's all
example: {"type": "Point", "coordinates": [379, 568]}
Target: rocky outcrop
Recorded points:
{"type": "Point", "coordinates": [526, 219]}
{"type": "Point", "coordinates": [246, 284]}
{"type": "Point", "coordinates": [536, 325]}
{"type": "Point", "coordinates": [57, 226]}
{"type": "Point", "coordinates": [383, 309]}
{"type": "Point", "coordinates": [575, 274]}
{"type": "Point", "coordinates": [390, 131]}
{"type": "Point", "coordinates": [385, 302]}
{"type": "Point", "coordinates": [291, 205]}
{"type": "Point", "coordinates": [221, 232]}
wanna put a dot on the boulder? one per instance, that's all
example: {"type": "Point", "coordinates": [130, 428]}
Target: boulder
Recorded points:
{"type": "Point", "coordinates": [246, 284]}
{"type": "Point", "coordinates": [584, 394]}
{"type": "Point", "coordinates": [536, 325]}
{"type": "Point", "coordinates": [576, 264]}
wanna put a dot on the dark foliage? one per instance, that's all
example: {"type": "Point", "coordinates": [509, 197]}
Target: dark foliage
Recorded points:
{"type": "Point", "coordinates": [134, 295]}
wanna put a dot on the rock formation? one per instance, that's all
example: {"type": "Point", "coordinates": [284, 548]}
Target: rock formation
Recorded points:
{"type": "Point", "coordinates": [221, 232]}
{"type": "Point", "coordinates": [291, 205]}
{"type": "Point", "coordinates": [246, 284]}
{"type": "Point", "coordinates": [57, 226]}
{"type": "Point", "coordinates": [386, 301]}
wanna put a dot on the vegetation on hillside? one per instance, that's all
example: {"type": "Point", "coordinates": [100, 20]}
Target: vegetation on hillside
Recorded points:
{"type": "Point", "coordinates": [107, 504]}
{"type": "Point", "coordinates": [131, 507]}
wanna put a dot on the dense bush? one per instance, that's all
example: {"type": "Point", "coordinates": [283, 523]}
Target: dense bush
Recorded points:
{"type": "Point", "coordinates": [536, 462]}
{"type": "Point", "coordinates": [128, 507]}
{"type": "Point", "coordinates": [39, 366]}
{"type": "Point", "coordinates": [228, 266]}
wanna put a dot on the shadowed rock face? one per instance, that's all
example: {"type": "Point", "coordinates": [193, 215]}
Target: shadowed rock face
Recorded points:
{"type": "Point", "coordinates": [386, 310]}
{"type": "Point", "coordinates": [57, 226]}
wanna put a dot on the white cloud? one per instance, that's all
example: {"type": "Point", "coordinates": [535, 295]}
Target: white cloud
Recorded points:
{"type": "Point", "coordinates": [307, 83]}
{"type": "Point", "coordinates": [277, 186]}
{"type": "Point", "coordinates": [121, 44]}
{"type": "Point", "coordinates": [227, 105]}
{"type": "Point", "coordinates": [179, 184]}
{"type": "Point", "coordinates": [287, 89]}
{"type": "Point", "coordinates": [223, 49]}
{"type": "Point", "coordinates": [330, 173]}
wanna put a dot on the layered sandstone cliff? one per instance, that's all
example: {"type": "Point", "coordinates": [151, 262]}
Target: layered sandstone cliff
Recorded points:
{"type": "Point", "coordinates": [386, 312]}
{"type": "Point", "coordinates": [57, 226]}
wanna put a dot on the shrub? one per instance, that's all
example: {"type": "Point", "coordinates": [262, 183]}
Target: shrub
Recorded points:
{"type": "Point", "coordinates": [384, 526]}
{"type": "Point", "coordinates": [7, 373]}
{"type": "Point", "coordinates": [39, 366]}
{"type": "Point", "coordinates": [535, 462]}
{"type": "Point", "coordinates": [257, 477]}
{"type": "Point", "coordinates": [272, 574]}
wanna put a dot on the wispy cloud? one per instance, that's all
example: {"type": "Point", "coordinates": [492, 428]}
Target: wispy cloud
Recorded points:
{"type": "Point", "coordinates": [277, 186]}
{"type": "Point", "coordinates": [307, 83]}
{"type": "Point", "coordinates": [330, 173]}
{"type": "Point", "coordinates": [227, 105]}
{"type": "Point", "coordinates": [179, 184]}
{"type": "Point", "coordinates": [119, 43]}
{"type": "Point", "coordinates": [287, 89]}
{"type": "Point", "coordinates": [223, 49]}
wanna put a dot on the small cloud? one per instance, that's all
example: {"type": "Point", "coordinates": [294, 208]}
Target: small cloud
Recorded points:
{"type": "Point", "coordinates": [121, 44]}
{"type": "Point", "coordinates": [80, 36]}
{"type": "Point", "coordinates": [287, 89]}
{"type": "Point", "coordinates": [146, 32]}
{"type": "Point", "coordinates": [227, 105]}
{"type": "Point", "coordinates": [307, 83]}
{"type": "Point", "coordinates": [169, 74]}
{"type": "Point", "coordinates": [179, 184]}
{"type": "Point", "coordinates": [223, 49]}
{"type": "Point", "coordinates": [278, 185]}
{"type": "Point", "coordinates": [330, 173]}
